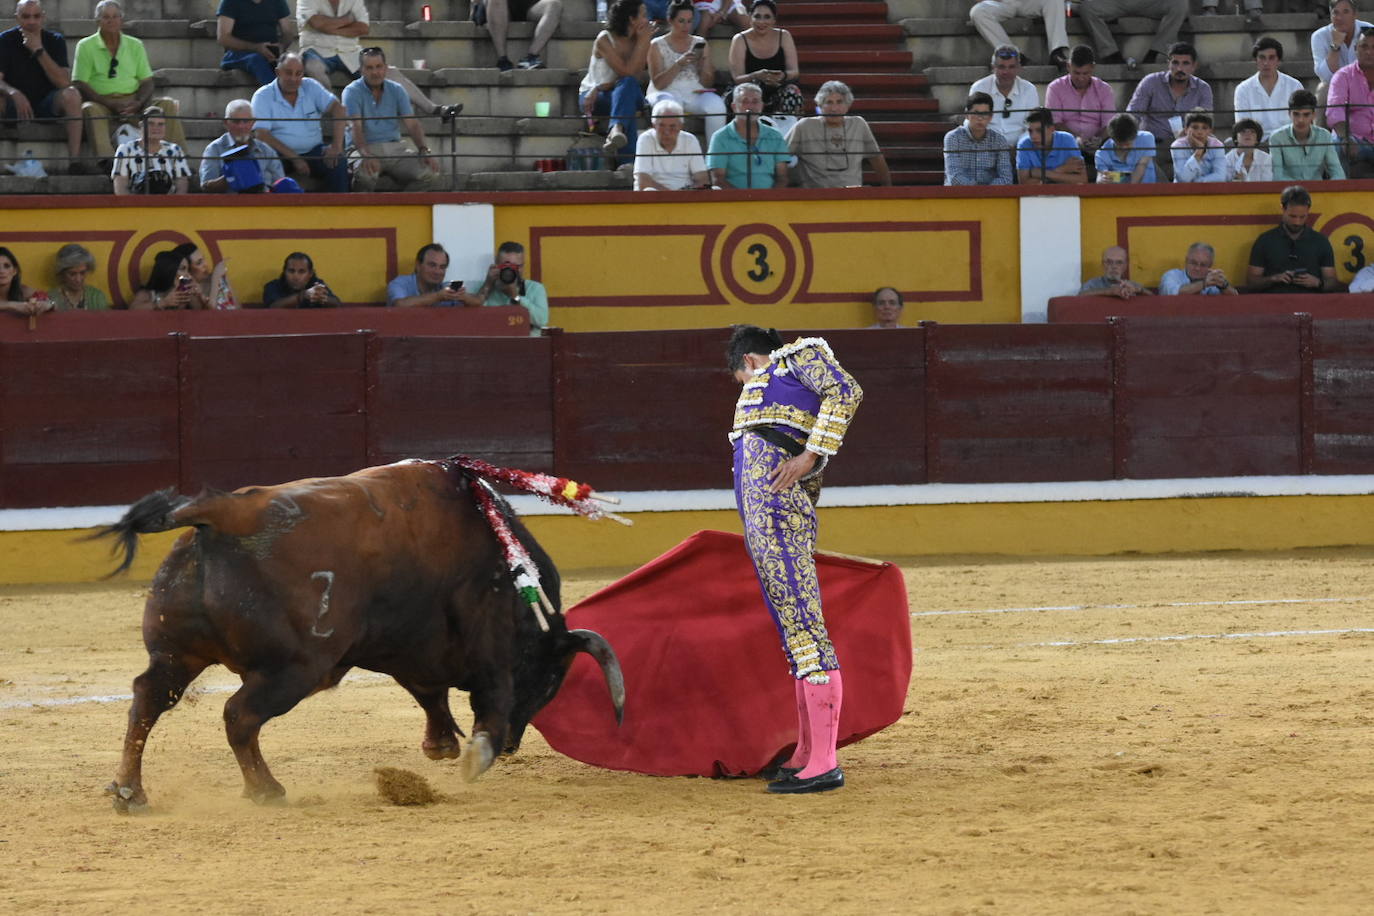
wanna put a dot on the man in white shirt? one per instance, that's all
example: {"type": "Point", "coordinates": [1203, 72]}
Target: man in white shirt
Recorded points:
{"type": "Point", "coordinates": [1333, 46]}
{"type": "Point", "coordinates": [667, 158]}
{"type": "Point", "coordinates": [1264, 96]}
{"type": "Point", "coordinates": [1013, 98]}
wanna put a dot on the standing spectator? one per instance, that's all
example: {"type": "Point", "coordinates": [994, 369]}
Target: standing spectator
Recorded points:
{"type": "Point", "coordinates": [1197, 276]}
{"type": "Point", "coordinates": [1012, 97]}
{"type": "Point", "coordinates": [745, 153]}
{"type": "Point", "coordinates": [169, 286]}
{"type": "Point", "coordinates": [499, 15]}
{"type": "Point", "coordinates": [113, 75]}
{"type": "Point", "coordinates": [35, 81]}
{"type": "Point", "coordinates": [987, 17]}
{"type": "Point", "coordinates": [611, 86]}
{"type": "Point", "coordinates": [253, 33]}
{"type": "Point", "coordinates": [236, 162]}
{"type": "Point", "coordinates": [1245, 161]}
{"type": "Point", "coordinates": [1113, 281]}
{"type": "Point", "coordinates": [767, 57]}
{"type": "Point", "coordinates": [1097, 13]}
{"type": "Point", "coordinates": [1292, 257]}
{"type": "Point", "coordinates": [161, 169]}
{"type": "Point", "coordinates": [74, 266]}
{"type": "Point", "coordinates": [1048, 156]}
{"type": "Point", "coordinates": [1082, 104]}
{"type": "Point", "coordinates": [505, 284]}
{"type": "Point", "coordinates": [887, 308]}
{"type": "Point", "coordinates": [1161, 99]}
{"type": "Point", "coordinates": [1128, 156]}
{"type": "Point", "coordinates": [1333, 45]}
{"type": "Point", "coordinates": [975, 154]}
{"type": "Point", "coordinates": [425, 287]}
{"type": "Point", "coordinates": [832, 148]}
{"type": "Point", "coordinates": [1264, 96]}
{"type": "Point", "coordinates": [298, 287]}
{"type": "Point", "coordinates": [377, 109]}
{"type": "Point", "coordinates": [680, 69]}
{"type": "Point", "coordinates": [1302, 151]}
{"type": "Point", "coordinates": [212, 289]}
{"type": "Point", "coordinates": [288, 112]}
{"type": "Point", "coordinates": [1198, 156]}
{"type": "Point", "coordinates": [1350, 107]}
{"type": "Point", "coordinates": [15, 295]}
{"type": "Point", "coordinates": [666, 158]}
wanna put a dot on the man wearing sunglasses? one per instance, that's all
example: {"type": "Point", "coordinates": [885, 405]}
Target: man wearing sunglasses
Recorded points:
{"type": "Point", "coordinates": [34, 79]}
{"type": "Point", "coordinates": [1013, 98]}
{"type": "Point", "coordinates": [114, 78]}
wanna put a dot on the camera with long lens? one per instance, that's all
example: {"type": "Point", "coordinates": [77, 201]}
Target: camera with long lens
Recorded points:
{"type": "Point", "coordinates": [508, 274]}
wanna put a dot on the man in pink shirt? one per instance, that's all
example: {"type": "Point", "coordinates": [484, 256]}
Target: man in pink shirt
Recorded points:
{"type": "Point", "coordinates": [1350, 108]}
{"type": "Point", "coordinates": [1082, 104]}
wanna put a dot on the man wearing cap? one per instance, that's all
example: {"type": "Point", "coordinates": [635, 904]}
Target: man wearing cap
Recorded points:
{"type": "Point", "coordinates": [225, 166]}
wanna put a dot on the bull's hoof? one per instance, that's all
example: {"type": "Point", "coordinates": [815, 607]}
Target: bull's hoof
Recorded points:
{"type": "Point", "coordinates": [126, 799]}
{"type": "Point", "coordinates": [267, 795]}
{"type": "Point", "coordinates": [444, 751]}
{"type": "Point", "coordinates": [478, 757]}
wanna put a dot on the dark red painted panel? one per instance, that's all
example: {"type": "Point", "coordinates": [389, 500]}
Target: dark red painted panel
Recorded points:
{"type": "Point", "coordinates": [1100, 308]}
{"type": "Point", "coordinates": [1343, 397]}
{"type": "Point", "coordinates": [37, 486]}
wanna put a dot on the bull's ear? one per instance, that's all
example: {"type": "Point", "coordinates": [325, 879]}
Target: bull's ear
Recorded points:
{"type": "Point", "coordinates": [595, 645]}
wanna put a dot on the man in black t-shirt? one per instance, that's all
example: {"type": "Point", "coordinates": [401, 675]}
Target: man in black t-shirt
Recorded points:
{"type": "Point", "coordinates": [35, 80]}
{"type": "Point", "coordinates": [254, 33]}
{"type": "Point", "coordinates": [1292, 257]}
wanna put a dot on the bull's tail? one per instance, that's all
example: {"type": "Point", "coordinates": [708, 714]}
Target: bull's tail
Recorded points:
{"type": "Point", "coordinates": [151, 514]}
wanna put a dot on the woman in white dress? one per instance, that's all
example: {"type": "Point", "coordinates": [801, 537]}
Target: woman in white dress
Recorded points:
{"type": "Point", "coordinates": [680, 69]}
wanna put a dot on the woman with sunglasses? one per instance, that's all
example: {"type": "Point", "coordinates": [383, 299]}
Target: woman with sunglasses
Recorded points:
{"type": "Point", "coordinates": [767, 56]}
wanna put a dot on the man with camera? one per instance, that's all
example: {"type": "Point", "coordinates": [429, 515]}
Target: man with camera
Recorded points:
{"type": "Point", "coordinates": [506, 285]}
{"type": "Point", "coordinates": [1292, 257]}
{"type": "Point", "coordinates": [425, 288]}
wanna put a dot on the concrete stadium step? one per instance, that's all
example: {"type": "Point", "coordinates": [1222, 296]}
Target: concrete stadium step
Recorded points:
{"type": "Point", "coordinates": [814, 60]}
{"type": "Point", "coordinates": [834, 13]}
{"type": "Point", "coordinates": [60, 10]}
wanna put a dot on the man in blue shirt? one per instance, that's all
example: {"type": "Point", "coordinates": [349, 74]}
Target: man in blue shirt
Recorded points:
{"type": "Point", "coordinates": [1128, 156]}
{"type": "Point", "coordinates": [1048, 156]}
{"type": "Point", "coordinates": [377, 108]}
{"type": "Point", "coordinates": [238, 139]}
{"type": "Point", "coordinates": [1198, 276]}
{"type": "Point", "coordinates": [745, 153]}
{"type": "Point", "coordinates": [288, 111]}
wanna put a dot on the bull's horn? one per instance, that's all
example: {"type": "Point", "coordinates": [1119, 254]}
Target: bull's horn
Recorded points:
{"type": "Point", "coordinates": [595, 645]}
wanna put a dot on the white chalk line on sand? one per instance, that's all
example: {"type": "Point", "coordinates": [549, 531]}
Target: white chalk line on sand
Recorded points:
{"type": "Point", "coordinates": [126, 697]}
{"type": "Point", "coordinates": [1135, 607]}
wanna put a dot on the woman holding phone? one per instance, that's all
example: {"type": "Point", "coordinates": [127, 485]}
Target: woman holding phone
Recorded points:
{"type": "Point", "coordinates": [766, 56]}
{"type": "Point", "coordinates": [680, 69]}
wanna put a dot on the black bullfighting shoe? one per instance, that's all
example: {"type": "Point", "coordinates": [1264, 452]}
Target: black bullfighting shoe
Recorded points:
{"type": "Point", "coordinates": [795, 785]}
{"type": "Point", "coordinates": [776, 771]}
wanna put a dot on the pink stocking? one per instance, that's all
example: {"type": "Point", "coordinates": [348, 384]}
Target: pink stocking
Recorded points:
{"type": "Point", "coordinates": [823, 712]}
{"type": "Point", "coordinates": [802, 754]}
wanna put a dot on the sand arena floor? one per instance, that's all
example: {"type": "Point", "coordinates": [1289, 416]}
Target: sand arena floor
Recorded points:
{"type": "Point", "coordinates": [1057, 756]}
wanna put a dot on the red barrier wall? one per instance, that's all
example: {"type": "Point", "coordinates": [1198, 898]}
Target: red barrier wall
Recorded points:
{"type": "Point", "coordinates": [1070, 309]}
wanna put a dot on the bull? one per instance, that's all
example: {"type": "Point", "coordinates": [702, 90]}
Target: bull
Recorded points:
{"type": "Point", "coordinates": [393, 569]}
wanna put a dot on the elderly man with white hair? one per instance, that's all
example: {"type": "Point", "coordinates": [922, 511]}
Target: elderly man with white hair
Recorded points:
{"type": "Point", "coordinates": [666, 158]}
{"type": "Point", "coordinates": [832, 148]}
{"type": "Point", "coordinates": [220, 168]}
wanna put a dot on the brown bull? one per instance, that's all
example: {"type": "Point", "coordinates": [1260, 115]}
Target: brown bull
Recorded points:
{"type": "Point", "coordinates": [391, 569]}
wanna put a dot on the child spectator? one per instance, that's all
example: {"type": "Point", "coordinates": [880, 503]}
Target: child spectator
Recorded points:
{"type": "Point", "coordinates": [1246, 161]}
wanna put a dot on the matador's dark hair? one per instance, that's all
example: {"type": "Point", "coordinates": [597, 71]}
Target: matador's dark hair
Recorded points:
{"type": "Point", "coordinates": [749, 338]}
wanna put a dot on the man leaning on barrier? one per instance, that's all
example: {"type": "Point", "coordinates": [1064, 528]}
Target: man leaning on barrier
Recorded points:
{"type": "Point", "coordinates": [1292, 257]}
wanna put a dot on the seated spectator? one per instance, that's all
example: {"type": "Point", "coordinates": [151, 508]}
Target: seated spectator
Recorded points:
{"type": "Point", "coordinates": [1128, 156]}
{"type": "Point", "coordinates": [236, 162]}
{"type": "Point", "coordinates": [1097, 13]}
{"type": "Point", "coordinates": [1333, 45]}
{"type": "Point", "coordinates": [1046, 155]}
{"type": "Point", "coordinates": [169, 285]}
{"type": "Point", "coordinates": [1302, 151]}
{"type": "Point", "coordinates": [975, 154]}
{"type": "Point", "coordinates": [499, 15]}
{"type": "Point", "coordinates": [1245, 161]}
{"type": "Point", "coordinates": [1114, 281]}
{"type": "Point", "coordinates": [746, 153]}
{"type": "Point", "coordinates": [1363, 282]}
{"type": "Point", "coordinates": [1082, 104]}
{"type": "Point", "coordinates": [680, 69]}
{"type": "Point", "coordinates": [887, 308]}
{"type": "Point", "coordinates": [1197, 276]}
{"type": "Point", "coordinates": [611, 86]}
{"type": "Point", "coordinates": [139, 171]}
{"type": "Point", "coordinates": [667, 158]}
{"type": "Point", "coordinates": [253, 33]}
{"type": "Point", "coordinates": [711, 13]}
{"type": "Point", "coordinates": [831, 149]}
{"type": "Point", "coordinates": [505, 284]}
{"type": "Point", "coordinates": [212, 289]}
{"type": "Point", "coordinates": [426, 287]}
{"type": "Point", "coordinates": [74, 265]}
{"type": "Point", "coordinates": [766, 56]}
{"type": "Point", "coordinates": [1013, 98]}
{"type": "Point", "coordinates": [987, 17]}
{"type": "Point", "coordinates": [1350, 108]}
{"type": "Point", "coordinates": [1254, 10]}
{"type": "Point", "coordinates": [1292, 257]}
{"type": "Point", "coordinates": [113, 75]}
{"type": "Point", "coordinates": [35, 83]}
{"type": "Point", "coordinates": [1198, 156]}
{"type": "Point", "coordinates": [279, 108]}
{"type": "Point", "coordinates": [15, 295]}
{"type": "Point", "coordinates": [298, 287]}
{"type": "Point", "coordinates": [378, 109]}
{"type": "Point", "coordinates": [1263, 97]}
{"type": "Point", "coordinates": [1162, 99]}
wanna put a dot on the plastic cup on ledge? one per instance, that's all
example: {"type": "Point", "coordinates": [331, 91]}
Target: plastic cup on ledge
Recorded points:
{"type": "Point", "coordinates": [419, 63]}
{"type": "Point", "coordinates": [541, 109]}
